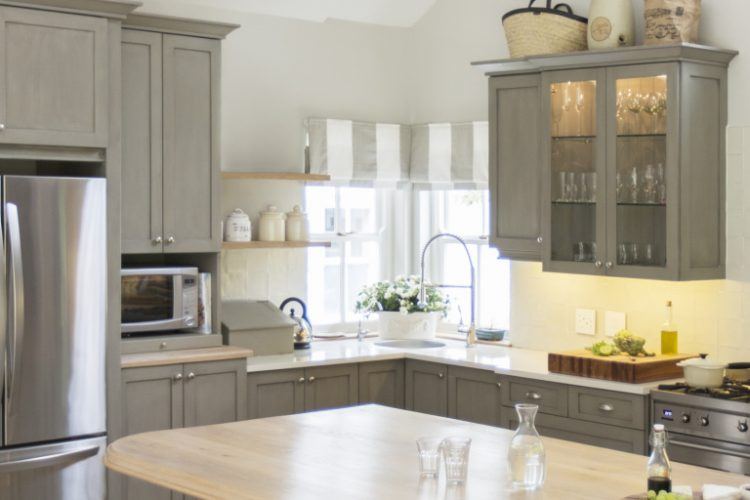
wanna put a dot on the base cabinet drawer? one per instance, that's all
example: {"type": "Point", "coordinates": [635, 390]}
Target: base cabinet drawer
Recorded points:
{"type": "Point", "coordinates": [579, 431]}
{"type": "Point", "coordinates": [551, 398]}
{"type": "Point", "coordinates": [606, 407]}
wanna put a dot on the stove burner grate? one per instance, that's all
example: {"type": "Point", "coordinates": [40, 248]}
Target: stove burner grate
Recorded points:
{"type": "Point", "coordinates": [730, 390]}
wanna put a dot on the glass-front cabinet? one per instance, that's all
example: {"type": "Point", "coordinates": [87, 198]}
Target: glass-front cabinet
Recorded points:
{"type": "Point", "coordinates": [619, 184]}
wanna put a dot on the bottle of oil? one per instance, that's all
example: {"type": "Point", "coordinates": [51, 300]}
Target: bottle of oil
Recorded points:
{"type": "Point", "coordinates": [669, 333]}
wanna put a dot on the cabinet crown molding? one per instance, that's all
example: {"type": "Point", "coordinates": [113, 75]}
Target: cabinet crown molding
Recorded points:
{"type": "Point", "coordinates": [179, 25]}
{"type": "Point", "coordinates": [640, 54]}
{"type": "Point", "coordinates": [115, 9]}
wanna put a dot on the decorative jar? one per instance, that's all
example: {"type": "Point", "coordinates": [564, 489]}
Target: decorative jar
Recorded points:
{"type": "Point", "coordinates": [271, 226]}
{"type": "Point", "coordinates": [237, 226]}
{"type": "Point", "coordinates": [297, 225]}
{"type": "Point", "coordinates": [611, 24]}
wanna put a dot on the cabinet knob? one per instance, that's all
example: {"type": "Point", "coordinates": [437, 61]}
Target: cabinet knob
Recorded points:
{"type": "Point", "coordinates": [500, 385]}
{"type": "Point", "coordinates": [606, 407]}
{"type": "Point", "coordinates": [156, 241]}
{"type": "Point", "coordinates": [608, 265]}
{"type": "Point", "coordinates": [533, 395]}
{"type": "Point", "coordinates": [598, 264]}
{"type": "Point", "coordinates": [301, 380]}
{"type": "Point", "coordinates": [170, 240]}
{"type": "Point", "coordinates": [191, 376]}
{"type": "Point", "coordinates": [2, 126]}
{"type": "Point", "coordinates": [441, 375]}
{"type": "Point", "coordinates": [539, 240]}
{"type": "Point", "coordinates": [742, 426]}
{"type": "Point", "coordinates": [177, 377]}
{"type": "Point", "coordinates": [163, 345]}
{"type": "Point", "coordinates": [311, 379]}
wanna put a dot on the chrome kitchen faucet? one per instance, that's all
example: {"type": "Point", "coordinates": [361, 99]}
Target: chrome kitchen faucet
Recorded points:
{"type": "Point", "coordinates": [471, 333]}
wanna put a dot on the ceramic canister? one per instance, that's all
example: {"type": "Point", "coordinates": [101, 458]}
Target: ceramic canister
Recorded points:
{"type": "Point", "coordinates": [237, 226]}
{"type": "Point", "coordinates": [271, 226]}
{"type": "Point", "coordinates": [611, 24]}
{"type": "Point", "coordinates": [297, 225]}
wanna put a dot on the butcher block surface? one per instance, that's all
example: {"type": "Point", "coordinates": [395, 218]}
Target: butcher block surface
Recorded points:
{"type": "Point", "coordinates": [620, 368]}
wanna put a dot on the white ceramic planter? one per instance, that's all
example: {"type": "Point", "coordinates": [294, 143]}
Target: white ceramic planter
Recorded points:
{"type": "Point", "coordinates": [397, 326]}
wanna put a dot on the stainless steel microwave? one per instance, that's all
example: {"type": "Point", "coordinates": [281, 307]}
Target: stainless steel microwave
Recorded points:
{"type": "Point", "coordinates": [159, 299]}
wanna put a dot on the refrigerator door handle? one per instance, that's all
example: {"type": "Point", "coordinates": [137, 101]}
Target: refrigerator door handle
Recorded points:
{"type": "Point", "coordinates": [54, 459]}
{"type": "Point", "coordinates": [16, 294]}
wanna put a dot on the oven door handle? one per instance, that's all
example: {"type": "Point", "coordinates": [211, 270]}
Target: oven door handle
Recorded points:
{"type": "Point", "coordinates": [711, 449]}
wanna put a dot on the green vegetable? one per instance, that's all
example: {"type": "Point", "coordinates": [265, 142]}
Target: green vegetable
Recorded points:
{"type": "Point", "coordinates": [603, 348]}
{"type": "Point", "coordinates": [631, 344]}
{"type": "Point", "coordinates": [651, 495]}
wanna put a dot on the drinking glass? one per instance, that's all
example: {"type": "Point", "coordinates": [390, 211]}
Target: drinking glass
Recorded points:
{"type": "Point", "coordinates": [661, 184]}
{"type": "Point", "coordinates": [563, 186]}
{"type": "Point", "coordinates": [647, 255]}
{"type": "Point", "coordinates": [623, 256]}
{"type": "Point", "coordinates": [572, 187]}
{"type": "Point", "coordinates": [583, 187]}
{"type": "Point", "coordinates": [649, 185]}
{"type": "Point", "coordinates": [579, 252]}
{"type": "Point", "coordinates": [620, 187]}
{"type": "Point", "coordinates": [634, 186]}
{"type": "Point", "coordinates": [591, 185]}
{"type": "Point", "coordinates": [580, 104]}
{"type": "Point", "coordinates": [456, 456]}
{"type": "Point", "coordinates": [634, 253]}
{"type": "Point", "coordinates": [428, 451]}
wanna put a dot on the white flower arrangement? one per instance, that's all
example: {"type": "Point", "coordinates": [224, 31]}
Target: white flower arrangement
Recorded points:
{"type": "Point", "coordinates": [400, 295]}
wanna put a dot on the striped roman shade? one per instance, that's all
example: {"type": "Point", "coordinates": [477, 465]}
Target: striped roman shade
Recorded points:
{"type": "Point", "coordinates": [445, 155]}
{"type": "Point", "coordinates": [358, 152]}
{"type": "Point", "coordinates": [434, 156]}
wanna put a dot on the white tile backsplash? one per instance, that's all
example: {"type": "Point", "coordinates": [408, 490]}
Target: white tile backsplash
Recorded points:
{"type": "Point", "coordinates": [712, 316]}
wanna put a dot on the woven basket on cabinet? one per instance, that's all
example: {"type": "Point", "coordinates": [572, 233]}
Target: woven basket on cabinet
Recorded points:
{"type": "Point", "coordinates": [544, 30]}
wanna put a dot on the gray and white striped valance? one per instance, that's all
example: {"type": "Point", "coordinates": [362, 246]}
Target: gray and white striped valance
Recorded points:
{"type": "Point", "coordinates": [450, 154]}
{"type": "Point", "coordinates": [358, 152]}
{"type": "Point", "coordinates": [435, 155]}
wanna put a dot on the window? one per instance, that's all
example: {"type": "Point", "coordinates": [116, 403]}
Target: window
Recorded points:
{"type": "Point", "coordinates": [353, 219]}
{"type": "Point", "coordinates": [465, 214]}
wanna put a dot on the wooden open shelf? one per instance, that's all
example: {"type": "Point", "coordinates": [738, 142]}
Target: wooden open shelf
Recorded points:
{"type": "Point", "coordinates": [231, 245]}
{"type": "Point", "coordinates": [276, 176]}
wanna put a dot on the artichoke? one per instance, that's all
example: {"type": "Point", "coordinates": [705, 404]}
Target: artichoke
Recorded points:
{"type": "Point", "coordinates": [631, 344]}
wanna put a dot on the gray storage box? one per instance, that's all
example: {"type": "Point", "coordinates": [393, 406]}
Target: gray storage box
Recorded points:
{"type": "Point", "coordinates": [257, 325]}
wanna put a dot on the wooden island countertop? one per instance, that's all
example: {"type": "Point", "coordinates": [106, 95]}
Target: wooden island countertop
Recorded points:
{"type": "Point", "coordinates": [369, 452]}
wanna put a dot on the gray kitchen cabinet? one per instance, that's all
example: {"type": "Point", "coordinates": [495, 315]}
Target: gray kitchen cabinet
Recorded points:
{"type": "Point", "coordinates": [142, 141]}
{"type": "Point", "coordinates": [170, 143]}
{"type": "Point", "coordinates": [54, 85]}
{"type": "Point", "coordinates": [382, 382]}
{"type": "Point", "coordinates": [275, 393]}
{"type": "Point", "coordinates": [631, 161]}
{"type": "Point", "coordinates": [605, 436]}
{"type": "Point", "coordinates": [515, 166]}
{"type": "Point", "coordinates": [215, 392]}
{"type": "Point", "coordinates": [152, 401]}
{"type": "Point", "coordinates": [426, 387]}
{"type": "Point", "coordinates": [474, 395]}
{"type": "Point", "coordinates": [607, 407]}
{"type": "Point", "coordinates": [191, 144]}
{"type": "Point", "coordinates": [552, 398]}
{"type": "Point", "coordinates": [333, 386]}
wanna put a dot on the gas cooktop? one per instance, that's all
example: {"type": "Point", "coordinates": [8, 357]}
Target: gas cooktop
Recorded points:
{"type": "Point", "coordinates": [730, 390]}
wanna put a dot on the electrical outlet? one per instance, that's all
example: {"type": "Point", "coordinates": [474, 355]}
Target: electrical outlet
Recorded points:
{"type": "Point", "coordinates": [586, 321]}
{"type": "Point", "coordinates": [614, 322]}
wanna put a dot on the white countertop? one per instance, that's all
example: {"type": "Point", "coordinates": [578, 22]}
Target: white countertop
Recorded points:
{"type": "Point", "coordinates": [514, 361]}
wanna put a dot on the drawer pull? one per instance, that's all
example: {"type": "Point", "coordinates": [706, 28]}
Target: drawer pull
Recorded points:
{"type": "Point", "coordinates": [606, 407]}
{"type": "Point", "coordinates": [533, 395]}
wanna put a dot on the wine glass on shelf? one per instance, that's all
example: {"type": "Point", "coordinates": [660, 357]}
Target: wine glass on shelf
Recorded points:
{"type": "Point", "coordinates": [557, 111]}
{"type": "Point", "coordinates": [580, 104]}
{"type": "Point", "coordinates": [567, 99]}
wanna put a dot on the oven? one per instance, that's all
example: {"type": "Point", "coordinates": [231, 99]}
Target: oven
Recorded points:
{"type": "Point", "coordinates": [159, 300]}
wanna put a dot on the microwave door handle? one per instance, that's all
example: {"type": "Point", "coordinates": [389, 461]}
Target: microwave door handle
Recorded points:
{"type": "Point", "coordinates": [15, 295]}
{"type": "Point", "coordinates": [177, 309]}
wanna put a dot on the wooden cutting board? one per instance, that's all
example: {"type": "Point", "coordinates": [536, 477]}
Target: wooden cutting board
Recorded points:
{"type": "Point", "coordinates": [621, 368]}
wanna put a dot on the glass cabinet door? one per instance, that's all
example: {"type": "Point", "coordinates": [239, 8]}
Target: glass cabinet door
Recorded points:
{"type": "Point", "coordinates": [641, 169]}
{"type": "Point", "coordinates": [575, 175]}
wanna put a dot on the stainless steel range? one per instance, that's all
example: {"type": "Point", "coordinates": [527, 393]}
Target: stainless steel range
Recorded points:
{"type": "Point", "coordinates": [707, 427]}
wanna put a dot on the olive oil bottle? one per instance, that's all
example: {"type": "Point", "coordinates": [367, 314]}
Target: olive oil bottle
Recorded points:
{"type": "Point", "coordinates": [669, 333]}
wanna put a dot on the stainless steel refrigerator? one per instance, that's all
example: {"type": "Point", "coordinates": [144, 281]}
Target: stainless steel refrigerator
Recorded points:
{"type": "Point", "coordinates": [53, 310]}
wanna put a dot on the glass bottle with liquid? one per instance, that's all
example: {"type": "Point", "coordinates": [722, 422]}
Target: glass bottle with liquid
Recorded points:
{"type": "Point", "coordinates": [659, 469]}
{"type": "Point", "coordinates": [669, 333]}
{"type": "Point", "coordinates": [526, 455]}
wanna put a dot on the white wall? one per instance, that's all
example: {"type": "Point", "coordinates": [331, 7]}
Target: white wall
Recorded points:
{"type": "Point", "coordinates": [713, 316]}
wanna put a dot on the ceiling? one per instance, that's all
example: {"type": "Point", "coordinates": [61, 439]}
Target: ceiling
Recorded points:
{"type": "Point", "coordinates": [399, 13]}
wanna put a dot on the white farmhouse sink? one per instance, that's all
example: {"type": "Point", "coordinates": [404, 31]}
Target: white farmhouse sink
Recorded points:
{"type": "Point", "coordinates": [410, 344]}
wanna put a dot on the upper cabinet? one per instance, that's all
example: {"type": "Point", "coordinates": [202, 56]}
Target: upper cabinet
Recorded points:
{"type": "Point", "coordinates": [629, 164]}
{"type": "Point", "coordinates": [53, 79]}
{"type": "Point", "coordinates": [170, 170]}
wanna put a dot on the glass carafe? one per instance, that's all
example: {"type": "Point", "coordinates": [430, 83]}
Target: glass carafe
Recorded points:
{"type": "Point", "coordinates": [526, 453]}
